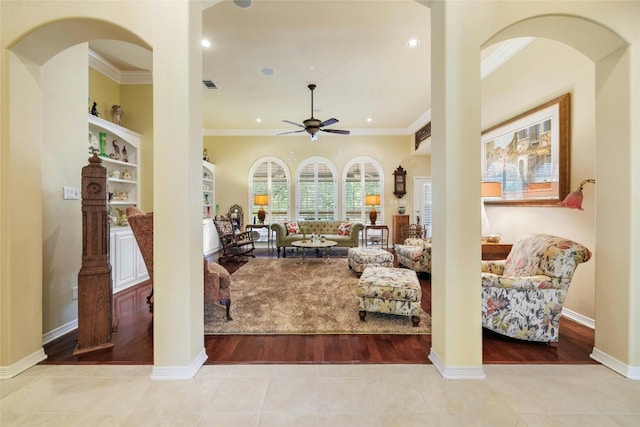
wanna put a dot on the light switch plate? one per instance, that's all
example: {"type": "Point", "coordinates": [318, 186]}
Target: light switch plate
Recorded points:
{"type": "Point", "coordinates": [71, 193]}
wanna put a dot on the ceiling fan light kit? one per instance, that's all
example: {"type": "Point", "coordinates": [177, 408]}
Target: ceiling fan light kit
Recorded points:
{"type": "Point", "coordinates": [313, 125]}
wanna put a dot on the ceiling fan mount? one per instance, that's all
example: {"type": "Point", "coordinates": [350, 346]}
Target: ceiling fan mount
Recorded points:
{"type": "Point", "coordinates": [312, 125]}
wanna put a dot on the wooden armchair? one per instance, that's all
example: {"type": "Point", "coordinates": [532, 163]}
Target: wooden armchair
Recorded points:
{"type": "Point", "coordinates": [234, 244]}
{"type": "Point", "coordinates": [412, 231]}
{"type": "Point", "coordinates": [217, 280]}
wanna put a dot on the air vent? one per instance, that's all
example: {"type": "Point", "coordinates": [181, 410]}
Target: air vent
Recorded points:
{"type": "Point", "coordinates": [209, 84]}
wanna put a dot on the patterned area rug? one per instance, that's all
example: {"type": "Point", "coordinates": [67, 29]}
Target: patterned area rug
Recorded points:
{"type": "Point", "coordinates": [279, 296]}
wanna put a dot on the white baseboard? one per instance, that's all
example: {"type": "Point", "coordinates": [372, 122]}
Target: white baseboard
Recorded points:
{"type": "Point", "coordinates": [33, 359]}
{"type": "Point", "coordinates": [631, 372]}
{"type": "Point", "coordinates": [456, 372]}
{"type": "Point", "coordinates": [579, 318]}
{"type": "Point", "coordinates": [59, 331]}
{"type": "Point", "coordinates": [179, 372]}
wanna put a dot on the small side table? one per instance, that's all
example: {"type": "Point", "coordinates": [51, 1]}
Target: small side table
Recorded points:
{"type": "Point", "coordinates": [495, 251]}
{"type": "Point", "coordinates": [384, 235]}
{"type": "Point", "coordinates": [250, 227]}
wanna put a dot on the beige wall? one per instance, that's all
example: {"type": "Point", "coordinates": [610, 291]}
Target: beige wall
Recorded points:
{"type": "Point", "coordinates": [234, 156]}
{"type": "Point", "coordinates": [542, 71]}
{"type": "Point", "coordinates": [64, 154]}
{"type": "Point", "coordinates": [23, 135]}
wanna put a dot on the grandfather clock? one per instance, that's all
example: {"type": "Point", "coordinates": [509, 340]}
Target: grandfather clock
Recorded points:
{"type": "Point", "coordinates": [95, 294]}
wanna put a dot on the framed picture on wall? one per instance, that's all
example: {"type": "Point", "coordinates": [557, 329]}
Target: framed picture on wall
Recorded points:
{"type": "Point", "coordinates": [529, 155]}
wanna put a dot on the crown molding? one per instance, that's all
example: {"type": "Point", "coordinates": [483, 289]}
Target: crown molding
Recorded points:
{"type": "Point", "coordinates": [136, 78]}
{"type": "Point", "coordinates": [502, 54]}
{"type": "Point", "coordinates": [105, 67]}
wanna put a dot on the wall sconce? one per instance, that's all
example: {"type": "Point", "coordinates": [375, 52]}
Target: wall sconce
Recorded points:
{"type": "Point", "coordinates": [488, 189]}
{"type": "Point", "coordinates": [574, 199]}
{"type": "Point", "coordinates": [261, 200]}
{"type": "Point", "coordinates": [373, 200]}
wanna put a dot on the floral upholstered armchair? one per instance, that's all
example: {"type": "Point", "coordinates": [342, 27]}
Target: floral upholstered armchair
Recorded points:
{"type": "Point", "coordinates": [415, 254]}
{"type": "Point", "coordinates": [522, 296]}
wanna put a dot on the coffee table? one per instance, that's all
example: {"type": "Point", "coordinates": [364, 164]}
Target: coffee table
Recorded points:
{"type": "Point", "coordinates": [308, 244]}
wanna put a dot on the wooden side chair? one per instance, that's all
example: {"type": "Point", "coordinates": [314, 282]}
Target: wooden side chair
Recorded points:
{"type": "Point", "coordinates": [234, 244]}
{"type": "Point", "coordinates": [217, 280]}
{"type": "Point", "coordinates": [412, 231]}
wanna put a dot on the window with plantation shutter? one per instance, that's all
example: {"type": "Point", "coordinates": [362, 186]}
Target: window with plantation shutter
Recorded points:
{"type": "Point", "coordinates": [316, 190]}
{"type": "Point", "coordinates": [362, 176]}
{"type": "Point", "coordinates": [270, 176]}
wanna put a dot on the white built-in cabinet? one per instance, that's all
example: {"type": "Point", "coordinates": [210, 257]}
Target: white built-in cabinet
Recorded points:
{"type": "Point", "coordinates": [119, 149]}
{"type": "Point", "coordinates": [210, 240]}
{"type": "Point", "coordinates": [127, 265]}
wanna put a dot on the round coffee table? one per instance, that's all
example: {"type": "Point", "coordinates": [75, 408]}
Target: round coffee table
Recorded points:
{"type": "Point", "coordinates": [319, 245]}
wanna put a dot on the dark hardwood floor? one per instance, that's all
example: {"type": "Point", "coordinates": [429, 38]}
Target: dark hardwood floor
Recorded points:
{"type": "Point", "coordinates": [134, 342]}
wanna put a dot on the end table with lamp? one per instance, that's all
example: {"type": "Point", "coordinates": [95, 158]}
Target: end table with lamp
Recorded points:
{"type": "Point", "coordinates": [251, 227]}
{"type": "Point", "coordinates": [382, 235]}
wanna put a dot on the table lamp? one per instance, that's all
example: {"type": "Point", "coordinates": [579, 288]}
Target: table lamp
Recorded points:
{"type": "Point", "coordinates": [488, 189]}
{"type": "Point", "coordinates": [373, 200]}
{"type": "Point", "coordinates": [261, 200]}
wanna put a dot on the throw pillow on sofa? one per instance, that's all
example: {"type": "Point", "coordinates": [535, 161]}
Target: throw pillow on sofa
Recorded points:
{"type": "Point", "coordinates": [292, 228]}
{"type": "Point", "coordinates": [344, 229]}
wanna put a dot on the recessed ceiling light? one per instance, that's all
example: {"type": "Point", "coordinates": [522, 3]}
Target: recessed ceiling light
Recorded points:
{"type": "Point", "coordinates": [259, 120]}
{"type": "Point", "coordinates": [413, 42]}
{"type": "Point", "coordinates": [267, 71]}
{"type": "Point", "coordinates": [205, 43]}
{"type": "Point", "coordinates": [369, 119]}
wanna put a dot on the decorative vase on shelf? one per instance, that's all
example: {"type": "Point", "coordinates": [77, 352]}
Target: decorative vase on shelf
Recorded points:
{"type": "Point", "coordinates": [401, 210]}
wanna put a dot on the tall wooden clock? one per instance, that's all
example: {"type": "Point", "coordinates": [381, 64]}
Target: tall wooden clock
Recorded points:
{"type": "Point", "coordinates": [399, 182]}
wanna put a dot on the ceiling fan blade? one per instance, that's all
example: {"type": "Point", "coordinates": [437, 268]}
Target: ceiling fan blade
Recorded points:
{"type": "Point", "coordinates": [340, 131]}
{"type": "Point", "coordinates": [329, 122]}
{"type": "Point", "coordinates": [293, 123]}
{"type": "Point", "coordinates": [291, 131]}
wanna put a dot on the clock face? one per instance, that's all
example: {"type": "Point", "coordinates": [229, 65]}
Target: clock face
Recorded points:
{"type": "Point", "coordinates": [399, 186]}
{"type": "Point", "coordinates": [399, 178]}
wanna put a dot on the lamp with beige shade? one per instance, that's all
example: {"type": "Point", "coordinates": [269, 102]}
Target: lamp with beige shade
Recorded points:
{"type": "Point", "coordinates": [261, 200]}
{"type": "Point", "coordinates": [488, 189]}
{"type": "Point", "coordinates": [372, 200]}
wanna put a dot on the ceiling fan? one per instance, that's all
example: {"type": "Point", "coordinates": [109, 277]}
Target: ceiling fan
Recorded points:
{"type": "Point", "coordinates": [313, 125]}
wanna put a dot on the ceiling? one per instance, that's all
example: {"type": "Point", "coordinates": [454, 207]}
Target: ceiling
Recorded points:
{"type": "Point", "coordinates": [356, 53]}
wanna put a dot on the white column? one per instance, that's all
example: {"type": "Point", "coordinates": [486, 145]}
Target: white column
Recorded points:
{"type": "Point", "coordinates": [455, 280]}
{"type": "Point", "coordinates": [617, 336]}
{"type": "Point", "coordinates": [177, 157]}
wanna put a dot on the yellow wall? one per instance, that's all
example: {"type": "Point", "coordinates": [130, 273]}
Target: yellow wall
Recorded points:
{"type": "Point", "coordinates": [137, 103]}
{"type": "Point", "coordinates": [104, 92]}
{"type": "Point", "coordinates": [234, 156]}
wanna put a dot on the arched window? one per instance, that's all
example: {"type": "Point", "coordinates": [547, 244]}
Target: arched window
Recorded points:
{"type": "Point", "coordinates": [270, 176]}
{"type": "Point", "coordinates": [362, 176]}
{"type": "Point", "coordinates": [316, 190]}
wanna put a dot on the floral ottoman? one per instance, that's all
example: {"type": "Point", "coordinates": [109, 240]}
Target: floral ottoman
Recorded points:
{"type": "Point", "coordinates": [389, 290]}
{"type": "Point", "coordinates": [360, 258]}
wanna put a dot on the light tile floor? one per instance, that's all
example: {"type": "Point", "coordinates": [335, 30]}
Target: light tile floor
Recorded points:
{"type": "Point", "coordinates": [320, 395]}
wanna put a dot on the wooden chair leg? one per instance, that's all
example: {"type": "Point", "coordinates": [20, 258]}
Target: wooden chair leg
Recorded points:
{"type": "Point", "coordinates": [227, 304]}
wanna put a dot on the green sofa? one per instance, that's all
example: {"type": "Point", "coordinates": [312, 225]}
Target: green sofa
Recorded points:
{"type": "Point", "coordinates": [329, 229]}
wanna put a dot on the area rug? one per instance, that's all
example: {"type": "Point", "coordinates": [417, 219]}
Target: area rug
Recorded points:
{"type": "Point", "coordinates": [279, 296]}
